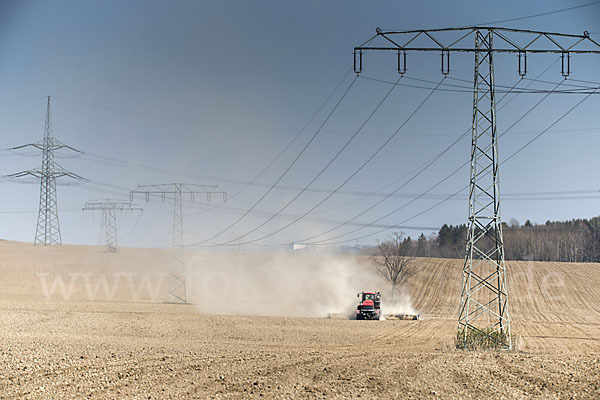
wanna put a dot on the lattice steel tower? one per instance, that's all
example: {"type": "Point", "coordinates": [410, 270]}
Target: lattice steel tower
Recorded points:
{"type": "Point", "coordinates": [484, 296]}
{"type": "Point", "coordinates": [109, 210]}
{"type": "Point", "coordinates": [47, 231]}
{"type": "Point", "coordinates": [177, 284]}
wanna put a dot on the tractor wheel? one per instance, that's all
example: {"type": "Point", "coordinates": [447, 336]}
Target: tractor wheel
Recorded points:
{"type": "Point", "coordinates": [359, 317]}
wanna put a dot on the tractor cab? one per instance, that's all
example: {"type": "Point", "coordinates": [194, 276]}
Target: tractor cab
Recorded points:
{"type": "Point", "coordinates": [369, 306]}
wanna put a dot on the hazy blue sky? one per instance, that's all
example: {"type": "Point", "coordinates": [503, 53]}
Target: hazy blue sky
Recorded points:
{"type": "Point", "coordinates": [211, 92]}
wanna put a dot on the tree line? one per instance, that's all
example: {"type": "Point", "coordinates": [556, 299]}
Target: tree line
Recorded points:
{"type": "Point", "coordinates": [577, 240]}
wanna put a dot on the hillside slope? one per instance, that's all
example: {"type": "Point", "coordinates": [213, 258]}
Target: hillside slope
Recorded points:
{"type": "Point", "coordinates": [99, 328]}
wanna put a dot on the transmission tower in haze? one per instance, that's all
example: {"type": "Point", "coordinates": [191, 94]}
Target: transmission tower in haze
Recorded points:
{"type": "Point", "coordinates": [177, 285]}
{"type": "Point", "coordinates": [483, 311]}
{"type": "Point", "coordinates": [109, 210]}
{"type": "Point", "coordinates": [47, 231]}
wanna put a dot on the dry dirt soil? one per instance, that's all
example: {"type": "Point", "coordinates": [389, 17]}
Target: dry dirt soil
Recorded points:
{"type": "Point", "coordinates": [125, 343]}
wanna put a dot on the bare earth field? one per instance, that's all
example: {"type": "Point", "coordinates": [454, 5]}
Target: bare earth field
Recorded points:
{"type": "Point", "coordinates": [111, 337]}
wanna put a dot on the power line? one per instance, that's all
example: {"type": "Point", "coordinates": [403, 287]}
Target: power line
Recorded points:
{"type": "Point", "coordinates": [286, 147]}
{"type": "Point", "coordinates": [465, 187]}
{"type": "Point", "coordinates": [128, 165]}
{"type": "Point", "coordinates": [135, 224]}
{"type": "Point", "coordinates": [323, 169]}
{"type": "Point", "coordinates": [109, 210]}
{"type": "Point", "coordinates": [427, 165]}
{"type": "Point", "coordinates": [358, 169]}
{"type": "Point", "coordinates": [440, 182]}
{"type": "Point", "coordinates": [271, 187]}
{"type": "Point", "coordinates": [550, 126]}
{"type": "Point", "coordinates": [541, 14]}
{"type": "Point", "coordinates": [535, 80]}
{"type": "Point", "coordinates": [177, 281]}
{"type": "Point", "coordinates": [554, 195]}
{"type": "Point", "coordinates": [424, 167]}
{"type": "Point", "coordinates": [121, 163]}
{"type": "Point", "coordinates": [483, 307]}
{"type": "Point", "coordinates": [393, 194]}
{"type": "Point", "coordinates": [289, 167]}
{"type": "Point", "coordinates": [282, 216]}
{"type": "Point", "coordinates": [330, 196]}
{"type": "Point", "coordinates": [313, 208]}
{"type": "Point", "coordinates": [581, 90]}
{"type": "Point", "coordinates": [48, 227]}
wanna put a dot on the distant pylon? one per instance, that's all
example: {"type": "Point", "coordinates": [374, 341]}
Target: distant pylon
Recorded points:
{"type": "Point", "coordinates": [177, 284]}
{"type": "Point", "coordinates": [109, 210]}
{"type": "Point", "coordinates": [47, 231]}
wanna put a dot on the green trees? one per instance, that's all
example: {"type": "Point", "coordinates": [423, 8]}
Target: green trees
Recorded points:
{"type": "Point", "coordinates": [576, 240]}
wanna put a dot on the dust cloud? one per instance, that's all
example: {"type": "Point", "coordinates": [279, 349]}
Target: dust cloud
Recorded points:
{"type": "Point", "coordinates": [400, 305]}
{"type": "Point", "coordinates": [279, 284]}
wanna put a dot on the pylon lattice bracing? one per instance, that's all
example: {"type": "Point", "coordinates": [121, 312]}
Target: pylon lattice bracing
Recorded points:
{"type": "Point", "coordinates": [177, 287]}
{"type": "Point", "coordinates": [484, 298]}
{"type": "Point", "coordinates": [483, 307]}
{"type": "Point", "coordinates": [177, 280]}
{"type": "Point", "coordinates": [110, 230]}
{"type": "Point", "coordinates": [109, 210]}
{"type": "Point", "coordinates": [47, 230]}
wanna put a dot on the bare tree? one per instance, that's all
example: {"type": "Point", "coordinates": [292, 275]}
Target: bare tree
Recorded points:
{"type": "Point", "coordinates": [393, 261]}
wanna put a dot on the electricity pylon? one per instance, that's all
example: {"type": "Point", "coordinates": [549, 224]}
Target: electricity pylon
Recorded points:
{"type": "Point", "coordinates": [109, 210]}
{"type": "Point", "coordinates": [47, 231]}
{"type": "Point", "coordinates": [177, 285]}
{"type": "Point", "coordinates": [483, 311]}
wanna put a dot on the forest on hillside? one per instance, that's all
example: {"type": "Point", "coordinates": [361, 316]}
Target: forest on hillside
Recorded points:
{"type": "Point", "coordinates": [577, 240]}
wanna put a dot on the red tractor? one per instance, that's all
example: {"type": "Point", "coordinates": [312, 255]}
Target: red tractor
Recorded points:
{"type": "Point", "coordinates": [369, 306]}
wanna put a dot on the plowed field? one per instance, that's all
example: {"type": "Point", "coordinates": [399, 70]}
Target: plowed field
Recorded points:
{"type": "Point", "coordinates": [105, 333]}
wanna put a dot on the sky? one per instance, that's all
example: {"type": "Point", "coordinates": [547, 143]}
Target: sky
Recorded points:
{"type": "Point", "coordinates": [213, 92]}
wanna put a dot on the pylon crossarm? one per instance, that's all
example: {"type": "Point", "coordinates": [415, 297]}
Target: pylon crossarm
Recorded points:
{"type": "Point", "coordinates": [62, 174]}
{"type": "Point", "coordinates": [34, 173]}
{"type": "Point", "coordinates": [50, 144]}
{"type": "Point", "coordinates": [177, 281]}
{"type": "Point", "coordinates": [56, 144]}
{"type": "Point", "coordinates": [484, 249]}
{"type": "Point", "coordinates": [39, 146]}
{"type": "Point", "coordinates": [109, 210]}
{"type": "Point", "coordinates": [507, 44]}
{"type": "Point", "coordinates": [48, 227]}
